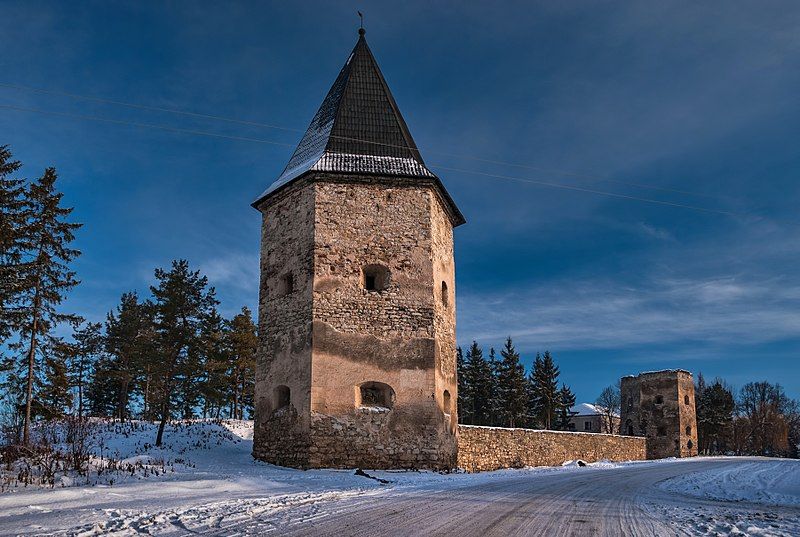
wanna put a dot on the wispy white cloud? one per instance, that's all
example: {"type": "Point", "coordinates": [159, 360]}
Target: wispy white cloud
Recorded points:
{"type": "Point", "coordinates": [233, 270]}
{"type": "Point", "coordinates": [650, 231]}
{"type": "Point", "coordinates": [607, 314]}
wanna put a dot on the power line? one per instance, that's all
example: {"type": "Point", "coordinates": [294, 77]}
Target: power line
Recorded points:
{"type": "Point", "coordinates": [590, 191]}
{"type": "Point", "coordinates": [145, 107]}
{"type": "Point", "coordinates": [457, 170]}
{"type": "Point", "coordinates": [248, 123]}
{"type": "Point", "coordinates": [143, 125]}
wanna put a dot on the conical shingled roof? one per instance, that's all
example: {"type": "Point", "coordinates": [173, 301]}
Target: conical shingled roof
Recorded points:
{"type": "Point", "coordinates": [358, 129]}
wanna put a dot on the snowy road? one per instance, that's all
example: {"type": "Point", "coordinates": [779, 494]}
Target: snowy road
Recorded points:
{"type": "Point", "coordinates": [625, 501]}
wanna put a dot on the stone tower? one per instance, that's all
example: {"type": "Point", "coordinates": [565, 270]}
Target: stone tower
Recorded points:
{"type": "Point", "coordinates": [660, 405]}
{"type": "Point", "coordinates": [357, 364]}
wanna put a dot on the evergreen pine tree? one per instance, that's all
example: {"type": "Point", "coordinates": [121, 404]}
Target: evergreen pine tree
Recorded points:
{"type": "Point", "coordinates": [128, 342]}
{"type": "Point", "coordinates": [715, 414]}
{"type": "Point", "coordinates": [45, 276]}
{"type": "Point", "coordinates": [566, 400]}
{"type": "Point", "coordinates": [479, 379]}
{"type": "Point", "coordinates": [464, 393]}
{"type": "Point", "coordinates": [89, 343]}
{"type": "Point", "coordinates": [512, 387]}
{"type": "Point", "coordinates": [495, 400]}
{"type": "Point", "coordinates": [534, 407]}
{"type": "Point", "coordinates": [243, 345]}
{"type": "Point", "coordinates": [12, 223]}
{"type": "Point", "coordinates": [545, 390]}
{"type": "Point", "coordinates": [54, 397]}
{"type": "Point", "coordinates": [182, 299]}
{"type": "Point", "coordinates": [102, 390]}
{"type": "Point", "coordinates": [215, 384]}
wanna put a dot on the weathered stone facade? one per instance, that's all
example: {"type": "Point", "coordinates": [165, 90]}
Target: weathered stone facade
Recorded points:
{"type": "Point", "coordinates": [660, 406]}
{"type": "Point", "coordinates": [330, 335]}
{"type": "Point", "coordinates": [282, 433]}
{"type": "Point", "coordinates": [490, 448]}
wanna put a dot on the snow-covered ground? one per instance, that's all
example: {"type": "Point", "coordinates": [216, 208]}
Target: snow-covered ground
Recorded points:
{"type": "Point", "coordinates": [766, 481]}
{"type": "Point", "coordinates": [203, 479]}
{"type": "Point", "coordinates": [750, 498]}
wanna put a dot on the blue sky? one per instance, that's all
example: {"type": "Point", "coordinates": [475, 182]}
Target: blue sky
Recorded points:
{"type": "Point", "coordinates": [693, 105]}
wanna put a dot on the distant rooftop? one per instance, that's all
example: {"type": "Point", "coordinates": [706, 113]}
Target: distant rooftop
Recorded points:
{"type": "Point", "coordinates": [659, 372]}
{"type": "Point", "coordinates": [587, 409]}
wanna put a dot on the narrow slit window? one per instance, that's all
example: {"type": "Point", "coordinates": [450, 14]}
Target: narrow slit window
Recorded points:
{"type": "Point", "coordinates": [287, 284]}
{"type": "Point", "coordinates": [445, 296]}
{"type": "Point", "coordinates": [282, 397]}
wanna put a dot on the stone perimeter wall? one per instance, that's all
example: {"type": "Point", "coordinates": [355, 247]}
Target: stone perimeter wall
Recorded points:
{"type": "Point", "coordinates": [482, 449]}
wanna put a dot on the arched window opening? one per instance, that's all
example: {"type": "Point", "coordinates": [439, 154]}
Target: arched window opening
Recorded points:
{"type": "Point", "coordinates": [446, 402]}
{"type": "Point", "coordinates": [685, 399]}
{"type": "Point", "coordinates": [287, 284]}
{"type": "Point", "coordinates": [688, 430]}
{"type": "Point", "coordinates": [661, 431]}
{"type": "Point", "coordinates": [445, 296]}
{"type": "Point", "coordinates": [659, 399]}
{"type": "Point", "coordinates": [281, 397]}
{"type": "Point", "coordinates": [375, 277]}
{"type": "Point", "coordinates": [376, 395]}
{"type": "Point", "coordinates": [690, 444]}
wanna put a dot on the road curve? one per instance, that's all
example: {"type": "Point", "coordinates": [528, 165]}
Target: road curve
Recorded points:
{"type": "Point", "coordinates": [590, 501]}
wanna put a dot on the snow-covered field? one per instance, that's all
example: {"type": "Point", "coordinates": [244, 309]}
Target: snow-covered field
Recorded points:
{"type": "Point", "coordinates": [204, 480]}
{"type": "Point", "coordinates": [751, 491]}
{"type": "Point", "coordinates": [768, 482]}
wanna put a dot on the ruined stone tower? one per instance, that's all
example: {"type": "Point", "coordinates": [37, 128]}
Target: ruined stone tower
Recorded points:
{"type": "Point", "coordinates": [660, 405]}
{"type": "Point", "coordinates": [356, 366]}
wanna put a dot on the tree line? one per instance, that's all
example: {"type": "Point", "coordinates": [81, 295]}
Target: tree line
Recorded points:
{"type": "Point", "coordinates": [497, 391]}
{"type": "Point", "coordinates": [165, 356]}
{"type": "Point", "coordinates": [758, 419]}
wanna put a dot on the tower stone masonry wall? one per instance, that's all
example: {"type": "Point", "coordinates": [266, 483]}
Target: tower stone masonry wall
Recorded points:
{"type": "Point", "coordinates": [342, 335]}
{"type": "Point", "coordinates": [282, 435]}
{"type": "Point", "coordinates": [660, 406]}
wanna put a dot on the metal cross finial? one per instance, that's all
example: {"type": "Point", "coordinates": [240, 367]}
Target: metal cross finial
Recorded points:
{"type": "Point", "coordinates": [361, 30]}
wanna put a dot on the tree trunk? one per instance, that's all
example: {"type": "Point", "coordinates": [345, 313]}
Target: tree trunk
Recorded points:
{"type": "Point", "coordinates": [80, 390]}
{"type": "Point", "coordinates": [26, 430]}
{"type": "Point", "coordinates": [160, 435]}
{"type": "Point", "coordinates": [80, 400]}
{"type": "Point", "coordinates": [147, 393]}
{"type": "Point", "coordinates": [235, 403]}
{"type": "Point", "coordinates": [122, 399]}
